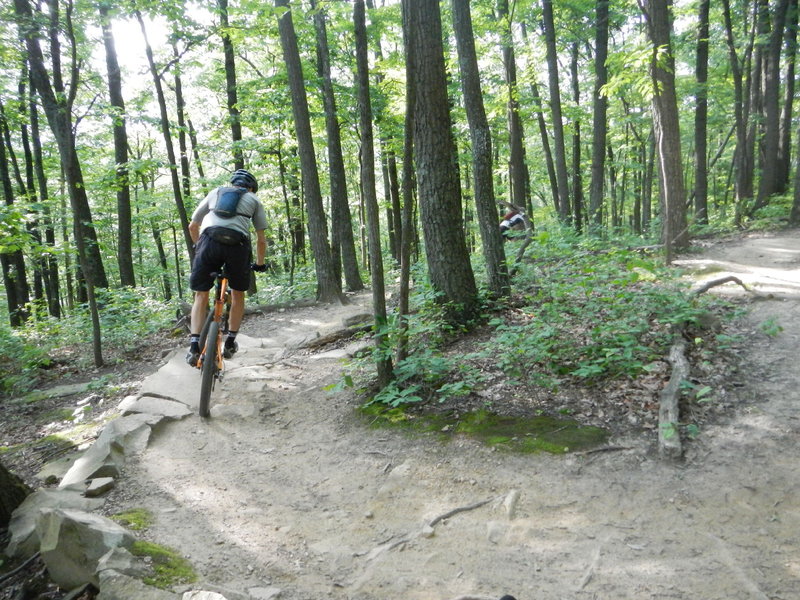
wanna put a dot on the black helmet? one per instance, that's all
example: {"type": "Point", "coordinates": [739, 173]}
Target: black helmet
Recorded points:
{"type": "Point", "coordinates": [244, 179]}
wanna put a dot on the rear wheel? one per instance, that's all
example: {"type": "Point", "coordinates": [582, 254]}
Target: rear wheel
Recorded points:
{"type": "Point", "coordinates": [209, 369]}
{"type": "Point", "coordinates": [204, 330]}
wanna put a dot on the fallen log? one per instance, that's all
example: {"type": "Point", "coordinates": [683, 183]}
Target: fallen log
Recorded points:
{"type": "Point", "coordinates": [669, 439]}
{"type": "Point", "coordinates": [340, 334]}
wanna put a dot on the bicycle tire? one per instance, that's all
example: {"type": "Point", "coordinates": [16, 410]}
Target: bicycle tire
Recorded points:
{"type": "Point", "coordinates": [204, 331]}
{"type": "Point", "coordinates": [209, 370]}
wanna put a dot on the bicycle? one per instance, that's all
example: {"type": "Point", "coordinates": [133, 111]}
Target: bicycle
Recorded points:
{"type": "Point", "coordinates": [211, 363]}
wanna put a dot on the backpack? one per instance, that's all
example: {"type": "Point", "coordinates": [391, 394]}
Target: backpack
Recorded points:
{"type": "Point", "coordinates": [228, 201]}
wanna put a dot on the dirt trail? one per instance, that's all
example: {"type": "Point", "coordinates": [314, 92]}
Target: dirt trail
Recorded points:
{"type": "Point", "coordinates": [284, 489]}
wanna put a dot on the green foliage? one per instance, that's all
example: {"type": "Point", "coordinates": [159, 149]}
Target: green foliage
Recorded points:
{"type": "Point", "coordinates": [169, 567]}
{"type": "Point", "coordinates": [591, 315]}
{"type": "Point", "coordinates": [128, 317]}
{"type": "Point", "coordinates": [771, 327]}
{"type": "Point", "coordinates": [136, 519]}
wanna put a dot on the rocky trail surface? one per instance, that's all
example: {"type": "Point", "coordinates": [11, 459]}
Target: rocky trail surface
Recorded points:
{"type": "Point", "coordinates": [286, 493]}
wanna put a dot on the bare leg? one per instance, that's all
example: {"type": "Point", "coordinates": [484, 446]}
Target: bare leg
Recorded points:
{"type": "Point", "coordinates": [237, 310]}
{"type": "Point", "coordinates": [199, 309]}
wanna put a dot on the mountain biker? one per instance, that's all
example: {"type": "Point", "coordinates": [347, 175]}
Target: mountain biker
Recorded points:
{"type": "Point", "coordinates": [512, 220]}
{"type": "Point", "coordinates": [225, 241]}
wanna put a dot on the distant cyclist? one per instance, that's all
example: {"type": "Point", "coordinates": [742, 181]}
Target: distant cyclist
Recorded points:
{"type": "Point", "coordinates": [220, 229]}
{"type": "Point", "coordinates": [512, 221]}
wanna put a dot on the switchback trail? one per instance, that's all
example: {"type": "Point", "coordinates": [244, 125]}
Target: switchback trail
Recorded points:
{"type": "Point", "coordinates": [286, 493]}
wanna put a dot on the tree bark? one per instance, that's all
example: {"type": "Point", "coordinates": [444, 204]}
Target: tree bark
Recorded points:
{"type": "Point", "coordinates": [52, 284]}
{"type": "Point", "coordinates": [408, 235]}
{"type": "Point", "coordinates": [230, 86]}
{"type": "Point", "coordinates": [122, 184]}
{"type": "Point", "coordinates": [518, 168]}
{"type": "Point", "coordinates": [57, 108]}
{"type": "Point", "coordinates": [555, 106]}
{"type": "Point", "coordinates": [770, 140]}
{"type": "Point", "coordinates": [437, 172]}
{"type": "Point", "coordinates": [383, 362]}
{"type": "Point", "coordinates": [328, 284]}
{"type": "Point", "coordinates": [577, 176]}
{"type": "Point", "coordinates": [785, 150]}
{"type": "Point", "coordinates": [165, 131]}
{"type": "Point", "coordinates": [481, 136]}
{"type": "Point", "coordinates": [701, 117]}
{"type": "Point", "coordinates": [674, 232]}
{"type": "Point", "coordinates": [599, 115]}
{"type": "Point", "coordinates": [343, 242]}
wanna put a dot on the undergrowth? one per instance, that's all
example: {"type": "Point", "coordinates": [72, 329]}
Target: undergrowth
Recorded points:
{"type": "Point", "coordinates": [128, 317]}
{"type": "Point", "coordinates": [582, 311]}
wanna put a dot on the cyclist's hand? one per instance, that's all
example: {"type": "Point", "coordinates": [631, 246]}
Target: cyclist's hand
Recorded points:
{"type": "Point", "coordinates": [258, 268]}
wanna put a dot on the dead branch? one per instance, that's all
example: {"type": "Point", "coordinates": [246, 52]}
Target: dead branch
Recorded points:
{"type": "Point", "coordinates": [669, 439]}
{"type": "Point", "coordinates": [715, 282]}
{"type": "Point", "coordinates": [460, 509]}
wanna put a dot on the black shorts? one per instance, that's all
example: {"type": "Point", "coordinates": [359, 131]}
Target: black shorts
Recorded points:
{"type": "Point", "coordinates": [210, 256]}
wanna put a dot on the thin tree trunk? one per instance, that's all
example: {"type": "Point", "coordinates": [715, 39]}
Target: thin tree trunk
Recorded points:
{"type": "Point", "coordinates": [122, 184]}
{"type": "Point", "coordinates": [198, 164]}
{"type": "Point", "coordinates": [408, 234]}
{"type": "Point", "coordinates": [701, 117]}
{"type": "Point", "coordinates": [493, 251]}
{"type": "Point", "coordinates": [770, 141]}
{"type": "Point", "coordinates": [599, 115]}
{"type": "Point", "coordinates": [328, 285]}
{"type": "Point", "coordinates": [785, 150]}
{"type": "Point", "coordinates": [548, 154]}
{"type": "Point", "coordinates": [230, 86]}
{"type": "Point", "coordinates": [165, 131]}
{"type": "Point", "coordinates": [518, 167]}
{"type": "Point", "coordinates": [180, 109]}
{"type": "Point", "coordinates": [674, 232]}
{"type": "Point", "coordinates": [52, 285]}
{"type": "Point", "coordinates": [555, 106]}
{"type": "Point", "coordinates": [383, 362]}
{"type": "Point", "coordinates": [577, 177]}
{"type": "Point", "coordinates": [343, 242]}
{"type": "Point", "coordinates": [59, 117]}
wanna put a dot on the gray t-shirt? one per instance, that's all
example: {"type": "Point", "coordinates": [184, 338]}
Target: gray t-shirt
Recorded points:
{"type": "Point", "coordinates": [248, 205]}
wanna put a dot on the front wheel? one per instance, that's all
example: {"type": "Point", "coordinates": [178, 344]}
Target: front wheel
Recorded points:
{"type": "Point", "coordinates": [209, 369]}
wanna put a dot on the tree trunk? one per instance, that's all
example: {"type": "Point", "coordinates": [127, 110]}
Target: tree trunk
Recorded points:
{"type": "Point", "coordinates": [548, 154]}
{"type": "Point", "coordinates": [701, 117]}
{"type": "Point", "coordinates": [599, 115]}
{"type": "Point", "coordinates": [770, 141]}
{"type": "Point", "coordinates": [165, 131]}
{"type": "Point", "coordinates": [518, 175]}
{"type": "Point", "coordinates": [343, 242]}
{"type": "Point", "coordinates": [437, 172]}
{"type": "Point", "coordinates": [196, 155]}
{"type": "Point", "coordinates": [52, 284]}
{"type": "Point", "coordinates": [383, 362]}
{"type": "Point", "coordinates": [577, 177]}
{"type": "Point", "coordinates": [555, 105]}
{"type": "Point", "coordinates": [328, 284]}
{"type": "Point", "coordinates": [59, 116]}
{"type": "Point", "coordinates": [493, 251]}
{"type": "Point", "coordinates": [785, 150]}
{"type": "Point", "coordinates": [408, 235]}
{"type": "Point", "coordinates": [738, 110]}
{"type": "Point", "coordinates": [230, 86]}
{"type": "Point", "coordinates": [674, 233]}
{"type": "Point", "coordinates": [180, 110]}
{"type": "Point", "coordinates": [122, 184]}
